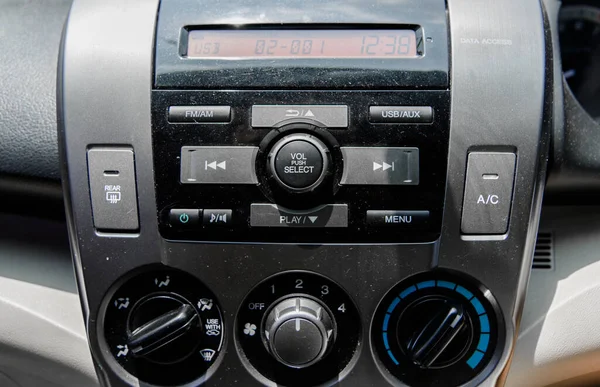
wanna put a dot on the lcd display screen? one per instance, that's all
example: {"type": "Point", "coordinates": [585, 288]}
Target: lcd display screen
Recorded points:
{"type": "Point", "coordinates": [301, 43]}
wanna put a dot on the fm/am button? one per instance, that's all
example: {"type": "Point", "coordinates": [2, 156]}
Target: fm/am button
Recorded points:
{"type": "Point", "coordinates": [199, 114]}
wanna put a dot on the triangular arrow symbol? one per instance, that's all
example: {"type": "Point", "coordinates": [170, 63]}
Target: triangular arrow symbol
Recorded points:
{"type": "Point", "coordinates": [222, 165]}
{"type": "Point", "coordinates": [309, 114]}
{"type": "Point", "coordinates": [213, 165]}
{"type": "Point", "coordinates": [376, 166]}
{"type": "Point", "coordinates": [313, 218]}
{"type": "Point", "coordinates": [386, 166]}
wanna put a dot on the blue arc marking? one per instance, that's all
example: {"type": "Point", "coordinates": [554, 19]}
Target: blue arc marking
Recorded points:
{"type": "Point", "coordinates": [484, 341]}
{"type": "Point", "coordinates": [426, 284]}
{"type": "Point", "coordinates": [446, 284]}
{"type": "Point", "coordinates": [465, 293]}
{"type": "Point", "coordinates": [393, 305]}
{"type": "Point", "coordinates": [475, 359]}
{"type": "Point", "coordinates": [386, 321]}
{"type": "Point", "coordinates": [386, 344]}
{"type": "Point", "coordinates": [477, 305]}
{"type": "Point", "coordinates": [484, 321]}
{"type": "Point", "coordinates": [391, 355]}
{"type": "Point", "coordinates": [408, 291]}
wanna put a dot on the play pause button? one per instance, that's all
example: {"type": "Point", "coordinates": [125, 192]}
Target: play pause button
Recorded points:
{"type": "Point", "coordinates": [271, 215]}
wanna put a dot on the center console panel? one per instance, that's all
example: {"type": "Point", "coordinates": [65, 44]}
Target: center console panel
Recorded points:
{"type": "Point", "coordinates": [303, 194]}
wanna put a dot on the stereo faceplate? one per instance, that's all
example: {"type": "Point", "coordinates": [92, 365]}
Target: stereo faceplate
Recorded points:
{"type": "Point", "coordinates": [227, 169]}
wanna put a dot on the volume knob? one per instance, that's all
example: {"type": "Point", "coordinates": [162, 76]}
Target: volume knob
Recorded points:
{"type": "Point", "coordinates": [298, 332]}
{"type": "Point", "coordinates": [299, 162]}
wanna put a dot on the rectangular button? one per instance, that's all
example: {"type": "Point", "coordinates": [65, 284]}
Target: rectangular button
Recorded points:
{"type": "Point", "coordinates": [113, 188]}
{"type": "Point", "coordinates": [270, 215]}
{"type": "Point", "coordinates": [183, 218]}
{"type": "Point", "coordinates": [401, 114]}
{"type": "Point", "coordinates": [218, 165]}
{"type": "Point", "coordinates": [397, 219]}
{"type": "Point", "coordinates": [488, 192]}
{"type": "Point", "coordinates": [199, 114]}
{"type": "Point", "coordinates": [274, 116]}
{"type": "Point", "coordinates": [380, 166]}
{"type": "Point", "coordinates": [218, 218]}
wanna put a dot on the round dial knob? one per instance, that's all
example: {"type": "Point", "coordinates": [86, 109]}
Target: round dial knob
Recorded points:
{"type": "Point", "coordinates": [299, 162]}
{"type": "Point", "coordinates": [163, 328]}
{"type": "Point", "coordinates": [438, 327]}
{"type": "Point", "coordinates": [434, 332]}
{"type": "Point", "coordinates": [287, 330]}
{"type": "Point", "coordinates": [298, 331]}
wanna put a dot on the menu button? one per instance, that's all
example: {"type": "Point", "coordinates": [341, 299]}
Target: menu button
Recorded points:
{"type": "Point", "coordinates": [397, 219]}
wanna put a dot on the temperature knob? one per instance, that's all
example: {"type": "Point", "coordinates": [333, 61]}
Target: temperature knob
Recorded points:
{"type": "Point", "coordinates": [438, 328]}
{"type": "Point", "coordinates": [435, 332]}
{"type": "Point", "coordinates": [298, 331]}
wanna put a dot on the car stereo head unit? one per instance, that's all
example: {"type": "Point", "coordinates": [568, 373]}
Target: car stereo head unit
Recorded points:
{"type": "Point", "coordinates": [318, 132]}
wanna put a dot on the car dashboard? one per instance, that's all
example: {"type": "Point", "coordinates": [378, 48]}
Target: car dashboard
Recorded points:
{"type": "Point", "coordinates": [299, 194]}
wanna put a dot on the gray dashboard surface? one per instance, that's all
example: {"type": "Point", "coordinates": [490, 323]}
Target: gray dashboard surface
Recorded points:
{"type": "Point", "coordinates": [30, 32]}
{"type": "Point", "coordinates": [42, 335]}
{"type": "Point", "coordinates": [559, 338]}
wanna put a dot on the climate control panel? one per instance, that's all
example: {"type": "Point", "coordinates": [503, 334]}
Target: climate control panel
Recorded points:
{"type": "Point", "coordinates": [300, 328]}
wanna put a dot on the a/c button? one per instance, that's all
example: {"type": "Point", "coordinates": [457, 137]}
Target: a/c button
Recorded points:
{"type": "Point", "coordinates": [488, 192]}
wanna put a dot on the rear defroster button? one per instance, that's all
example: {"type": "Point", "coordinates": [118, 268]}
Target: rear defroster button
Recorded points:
{"type": "Point", "coordinates": [299, 162]}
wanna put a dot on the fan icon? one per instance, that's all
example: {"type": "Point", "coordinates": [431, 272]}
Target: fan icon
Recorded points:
{"type": "Point", "coordinates": [249, 329]}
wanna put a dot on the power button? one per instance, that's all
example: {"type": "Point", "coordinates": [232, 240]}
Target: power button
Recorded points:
{"type": "Point", "coordinates": [182, 218]}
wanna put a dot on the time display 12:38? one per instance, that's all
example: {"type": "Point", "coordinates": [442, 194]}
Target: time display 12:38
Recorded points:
{"type": "Point", "coordinates": [302, 43]}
